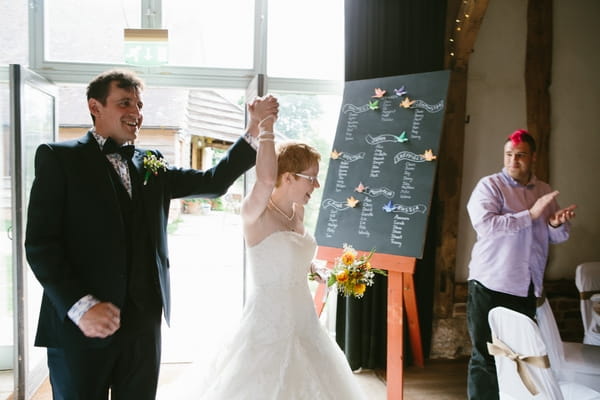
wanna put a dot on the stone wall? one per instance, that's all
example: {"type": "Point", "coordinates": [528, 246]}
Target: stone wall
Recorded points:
{"type": "Point", "coordinates": [450, 338]}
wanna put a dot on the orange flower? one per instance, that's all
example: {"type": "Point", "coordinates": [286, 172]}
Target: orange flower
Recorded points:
{"type": "Point", "coordinates": [360, 288]}
{"type": "Point", "coordinates": [342, 276]}
{"type": "Point", "coordinates": [348, 258]}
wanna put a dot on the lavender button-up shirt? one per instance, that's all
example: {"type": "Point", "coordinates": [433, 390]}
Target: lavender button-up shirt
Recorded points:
{"type": "Point", "coordinates": [511, 249]}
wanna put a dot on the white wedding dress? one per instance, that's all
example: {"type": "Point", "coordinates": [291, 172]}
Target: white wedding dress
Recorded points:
{"type": "Point", "coordinates": [280, 351]}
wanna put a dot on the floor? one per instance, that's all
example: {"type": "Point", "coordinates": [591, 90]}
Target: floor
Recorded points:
{"type": "Point", "coordinates": [439, 380]}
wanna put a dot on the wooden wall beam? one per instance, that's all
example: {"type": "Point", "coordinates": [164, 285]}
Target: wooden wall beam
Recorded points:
{"type": "Point", "coordinates": [463, 23]}
{"type": "Point", "coordinates": [538, 77]}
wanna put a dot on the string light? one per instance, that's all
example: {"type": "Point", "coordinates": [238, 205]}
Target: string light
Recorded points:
{"type": "Point", "coordinates": [465, 14]}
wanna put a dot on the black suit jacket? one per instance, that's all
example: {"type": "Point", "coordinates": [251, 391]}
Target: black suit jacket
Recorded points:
{"type": "Point", "coordinates": [75, 234]}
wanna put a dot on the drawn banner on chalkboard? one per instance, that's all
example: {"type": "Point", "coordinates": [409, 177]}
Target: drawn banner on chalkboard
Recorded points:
{"type": "Point", "coordinates": [374, 140]}
{"type": "Point", "coordinates": [338, 205]}
{"type": "Point", "coordinates": [431, 108]}
{"type": "Point", "coordinates": [408, 156]}
{"type": "Point", "coordinates": [409, 210]}
{"type": "Point", "coordinates": [348, 157]}
{"type": "Point", "coordinates": [351, 108]}
{"type": "Point", "coordinates": [383, 191]}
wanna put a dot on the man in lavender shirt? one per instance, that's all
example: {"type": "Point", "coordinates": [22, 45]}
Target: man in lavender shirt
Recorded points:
{"type": "Point", "coordinates": [516, 217]}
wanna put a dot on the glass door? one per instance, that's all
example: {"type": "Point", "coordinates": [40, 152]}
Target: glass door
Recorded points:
{"type": "Point", "coordinates": [6, 275]}
{"type": "Point", "coordinates": [33, 121]}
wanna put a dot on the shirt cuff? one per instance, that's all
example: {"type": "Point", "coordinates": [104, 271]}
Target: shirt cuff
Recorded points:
{"type": "Point", "coordinates": [252, 140]}
{"type": "Point", "coordinates": [81, 307]}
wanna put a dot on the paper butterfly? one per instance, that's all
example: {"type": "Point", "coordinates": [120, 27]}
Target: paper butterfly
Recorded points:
{"type": "Point", "coordinates": [389, 207]}
{"type": "Point", "coordinates": [352, 202]}
{"type": "Point", "coordinates": [374, 105]}
{"type": "Point", "coordinates": [406, 103]}
{"type": "Point", "coordinates": [402, 138]}
{"type": "Point", "coordinates": [400, 92]}
{"type": "Point", "coordinates": [335, 155]}
{"type": "Point", "coordinates": [379, 93]}
{"type": "Point", "coordinates": [428, 155]}
{"type": "Point", "coordinates": [360, 188]}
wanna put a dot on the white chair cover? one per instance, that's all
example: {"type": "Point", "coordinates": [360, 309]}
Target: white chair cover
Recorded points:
{"type": "Point", "coordinates": [571, 362]}
{"type": "Point", "coordinates": [587, 280]}
{"type": "Point", "coordinates": [521, 335]}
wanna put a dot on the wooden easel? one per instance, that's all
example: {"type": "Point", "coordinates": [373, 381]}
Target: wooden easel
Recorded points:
{"type": "Point", "coordinates": [401, 292]}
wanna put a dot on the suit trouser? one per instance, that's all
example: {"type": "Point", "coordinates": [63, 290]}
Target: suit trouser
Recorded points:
{"type": "Point", "coordinates": [128, 366]}
{"type": "Point", "coordinates": [482, 382]}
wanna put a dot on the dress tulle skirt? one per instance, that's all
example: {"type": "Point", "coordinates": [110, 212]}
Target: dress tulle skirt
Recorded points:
{"type": "Point", "coordinates": [279, 351]}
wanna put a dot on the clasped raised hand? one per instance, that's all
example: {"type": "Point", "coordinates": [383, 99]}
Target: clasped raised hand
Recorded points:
{"type": "Point", "coordinates": [263, 109]}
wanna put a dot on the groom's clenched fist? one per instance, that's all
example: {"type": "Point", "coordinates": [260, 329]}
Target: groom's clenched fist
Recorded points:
{"type": "Point", "coordinates": [100, 321]}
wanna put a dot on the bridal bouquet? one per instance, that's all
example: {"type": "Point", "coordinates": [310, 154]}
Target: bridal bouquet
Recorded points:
{"type": "Point", "coordinates": [353, 273]}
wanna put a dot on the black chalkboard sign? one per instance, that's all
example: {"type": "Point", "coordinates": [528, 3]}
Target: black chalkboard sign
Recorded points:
{"type": "Point", "coordinates": [382, 166]}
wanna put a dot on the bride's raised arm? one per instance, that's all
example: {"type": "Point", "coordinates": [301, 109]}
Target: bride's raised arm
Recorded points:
{"type": "Point", "coordinates": [256, 201]}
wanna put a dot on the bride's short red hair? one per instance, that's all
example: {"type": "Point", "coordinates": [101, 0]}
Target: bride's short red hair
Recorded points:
{"type": "Point", "coordinates": [295, 157]}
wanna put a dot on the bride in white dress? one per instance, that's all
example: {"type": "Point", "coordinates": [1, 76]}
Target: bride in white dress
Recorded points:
{"type": "Point", "coordinates": [280, 351]}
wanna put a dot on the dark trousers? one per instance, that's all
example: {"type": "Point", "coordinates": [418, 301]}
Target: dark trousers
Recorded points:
{"type": "Point", "coordinates": [129, 367]}
{"type": "Point", "coordinates": [482, 382]}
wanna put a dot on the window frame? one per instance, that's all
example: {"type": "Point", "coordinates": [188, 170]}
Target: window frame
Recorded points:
{"type": "Point", "coordinates": [201, 77]}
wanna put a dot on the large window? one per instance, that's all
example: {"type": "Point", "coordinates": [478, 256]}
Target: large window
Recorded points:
{"type": "Point", "coordinates": [98, 25]}
{"type": "Point", "coordinates": [13, 35]}
{"type": "Point", "coordinates": [213, 34]}
{"type": "Point", "coordinates": [298, 45]}
{"type": "Point", "coordinates": [305, 39]}
{"type": "Point", "coordinates": [201, 33]}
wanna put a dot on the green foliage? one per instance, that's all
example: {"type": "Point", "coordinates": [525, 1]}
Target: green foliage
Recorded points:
{"type": "Point", "coordinates": [174, 225]}
{"type": "Point", "coordinates": [217, 204]}
{"type": "Point", "coordinates": [311, 119]}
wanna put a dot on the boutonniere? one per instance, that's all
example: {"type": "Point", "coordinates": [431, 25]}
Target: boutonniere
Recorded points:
{"type": "Point", "coordinates": [152, 165]}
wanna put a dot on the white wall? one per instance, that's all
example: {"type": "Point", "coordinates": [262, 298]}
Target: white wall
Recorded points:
{"type": "Point", "coordinates": [496, 106]}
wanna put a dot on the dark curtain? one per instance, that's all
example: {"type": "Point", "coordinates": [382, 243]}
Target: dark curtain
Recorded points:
{"type": "Point", "coordinates": [388, 38]}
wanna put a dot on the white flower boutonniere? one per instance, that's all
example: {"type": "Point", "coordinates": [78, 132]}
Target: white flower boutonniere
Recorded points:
{"type": "Point", "coordinates": [152, 165]}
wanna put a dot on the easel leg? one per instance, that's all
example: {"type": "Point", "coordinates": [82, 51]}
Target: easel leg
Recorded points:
{"type": "Point", "coordinates": [395, 336]}
{"type": "Point", "coordinates": [412, 317]}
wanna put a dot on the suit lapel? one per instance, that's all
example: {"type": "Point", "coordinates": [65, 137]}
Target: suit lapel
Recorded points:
{"type": "Point", "coordinates": [147, 192]}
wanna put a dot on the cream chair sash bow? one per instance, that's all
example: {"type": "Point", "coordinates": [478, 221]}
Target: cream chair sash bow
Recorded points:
{"type": "Point", "coordinates": [587, 295]}
{"type": "Point", "coordinates": [497, 348]}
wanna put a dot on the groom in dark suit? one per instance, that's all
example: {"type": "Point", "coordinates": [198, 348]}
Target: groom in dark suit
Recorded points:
{"type": "Point", "coordinates": [97, 242]}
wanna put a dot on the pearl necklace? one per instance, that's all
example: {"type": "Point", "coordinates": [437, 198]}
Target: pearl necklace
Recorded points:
{"type": "Point", "coordinates": [274, 207]}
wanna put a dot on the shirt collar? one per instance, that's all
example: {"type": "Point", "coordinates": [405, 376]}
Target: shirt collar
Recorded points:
{"type": "Point", "coordinates": [100, 139]}
{"type": "Point", "coordinates": [513, 182]}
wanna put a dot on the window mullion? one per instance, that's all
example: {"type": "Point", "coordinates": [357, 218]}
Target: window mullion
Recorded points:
{"type": "Point", "coordinates": [36, 33]}
{"type": "Point", "coordinates": [151, 14]}
{"type": "Point", "coordinates": [260, 37]}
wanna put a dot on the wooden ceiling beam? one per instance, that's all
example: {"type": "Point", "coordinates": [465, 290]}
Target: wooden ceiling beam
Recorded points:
{"type": "Point", "coordinates": [464, 21]}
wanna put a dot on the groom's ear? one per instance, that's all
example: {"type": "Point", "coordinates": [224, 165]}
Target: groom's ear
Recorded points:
{"type": "Point", "coordinates": [93, 106]}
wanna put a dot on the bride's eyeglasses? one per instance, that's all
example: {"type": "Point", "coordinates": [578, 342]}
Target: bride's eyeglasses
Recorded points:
{"type": "Point", "coordinates": [312, 179]}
